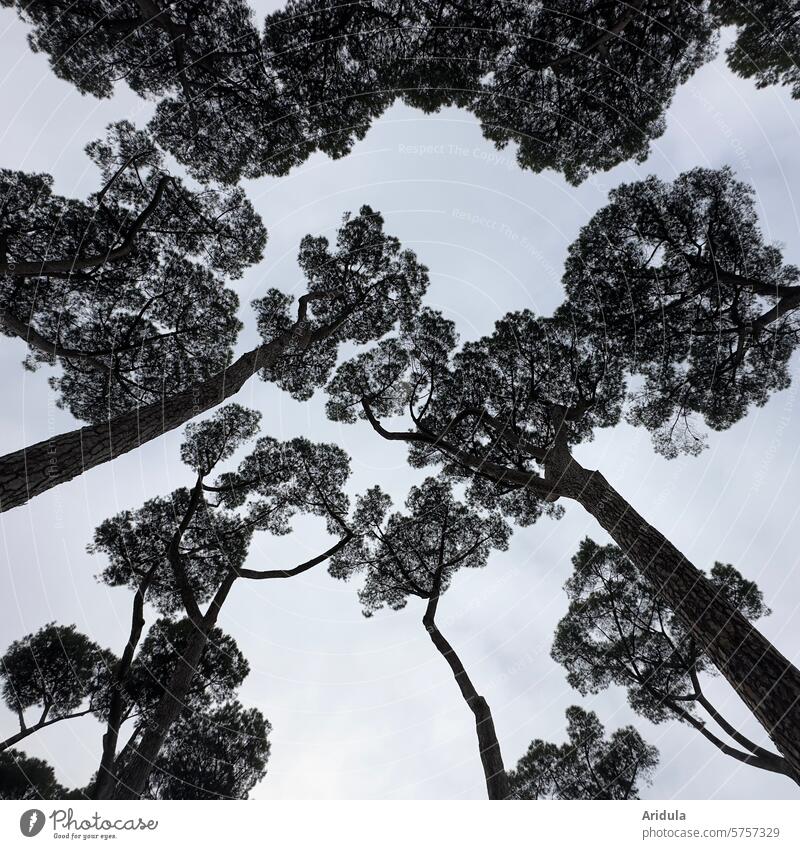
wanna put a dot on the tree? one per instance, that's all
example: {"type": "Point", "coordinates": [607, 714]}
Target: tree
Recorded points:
{"type": "Point", "coordinates": [184, 551]}
{"type": "Point", "coordinates": [705, 311]}
{"type": "Point", "coordinates": [416, 553]}
{"type": "Point", "coordinates": [57, 670]}
{"type": "Point", "coordinates": [66, 675]}
{"type": "Point", "coordinates": [619, 631]}
{"type": "Point", "coordinates": [186, 47]}
{"type": "Point", "coordinates": [767, 42]}
{"type": "Point", "coordinates": [356, 292]}
{"type": "Point", "coordinates": [22, 777]}
{"type": "Point", "coordinates": [587, 766]}
{"type": "Point", "coordinates": [216, 754]}
{"type": "Point", "coordinates": [504, 412]}
{"type": "Point", "coordinates": [580, 87]}
{"type": "Point", "coordinates": [126, 290]}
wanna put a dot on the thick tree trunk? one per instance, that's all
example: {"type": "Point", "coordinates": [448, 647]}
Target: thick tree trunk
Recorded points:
{"type": "Point", "coordinates": [31, 471]}
{"type": "Point", "coordinates": [765, 680]}
{"type": "Point", "coordinates": [488, 745]}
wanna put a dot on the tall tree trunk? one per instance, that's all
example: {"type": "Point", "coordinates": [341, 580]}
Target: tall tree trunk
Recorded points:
{"type": "Point", "coordinates": [488, 745]}
{"type": "Point", "coordinates": [31, 471]}
{"type": "Point", "coordinates": [105, 774]}
{"type": "Point", "coordinates": [133, 775]}
{"type": "Point", "coordinates": [767, 682]}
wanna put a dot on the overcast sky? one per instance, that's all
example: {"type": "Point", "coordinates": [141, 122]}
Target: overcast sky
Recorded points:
{"type": "Point", "coordinates": [367, 708]}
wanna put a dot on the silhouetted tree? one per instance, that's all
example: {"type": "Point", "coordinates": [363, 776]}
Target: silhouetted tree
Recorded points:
{"type": "Point", "coordinates": [184, 551]}
{"type": "Point", "coordinates": [505, 412]}
{"type": "Point", "coordinates": [356, 291]}
{"type": "Point", "coordinates": [416, 553]}
{"type": "Point", "coordinates": [58, 671]}
{"type": "Point", "coordinates": [126, 290]}
{"type": "Point", "coordinates": [767, 46]}
{"type": "Point", "coordinates": [580, 86]}
{"type": "Point", "coordinates": [156, 48]}
{"type": "Point", "coordinates": [66, 676]}
{"type": "Point", "coordinates": [23, 777]}
{"type": "Point", "coordinates": [214, 754]}
{"type": "Point", "coordinates": [619, 631]}
{"type": "Point", "coordinates": [587, 766]}
{"type": "Point", "coordinates": [679, 276]}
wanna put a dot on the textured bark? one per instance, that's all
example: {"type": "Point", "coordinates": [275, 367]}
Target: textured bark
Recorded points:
{"type": "Point", "coordinates": [767, 682]}
{"type": "Point", "coordinates": [31, 471]}
{"type": "Point", "coordinates": [488, 745]}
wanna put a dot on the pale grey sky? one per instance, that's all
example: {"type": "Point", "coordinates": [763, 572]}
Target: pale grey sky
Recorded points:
{"type": "Point", "coordinates": [366, 708]}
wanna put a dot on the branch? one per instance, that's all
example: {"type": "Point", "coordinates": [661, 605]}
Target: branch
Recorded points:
{"type": "Point", "coordinates": [67, 266]}
{"type": "Point", "coordinates": [726, 726]}
{"type": "Point", "coordinates": [485, 468]}
{"type": "Point", "coordinates": [256, 575]}
{"type": "Point", "coordinates": [32, 729]}
{"type": "Point", "coordinates": [773, 764]}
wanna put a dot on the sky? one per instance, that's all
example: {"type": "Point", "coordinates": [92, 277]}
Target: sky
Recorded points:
{"type": "Point", "coordinates": [367, 708]}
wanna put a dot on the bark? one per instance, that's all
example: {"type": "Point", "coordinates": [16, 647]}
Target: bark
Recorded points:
{"type": "Point", "coordinates": [31, 471]}
{"type": "Point", "coordinates": [105, 774]}
{"type": "Point", "coordinates": [488, 745]}
{"type": "Point", "coordinates": [133, 776]}
{"type": "Point", "coordinates": [767, 682]}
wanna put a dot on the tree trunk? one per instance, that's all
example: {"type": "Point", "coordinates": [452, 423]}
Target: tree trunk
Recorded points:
{"type": "Point", "coordinates": [31, 471]}
{"type": "Point", "coordinates": [132, 777]}
{"type": "Point", "coordinates": [488, 745]}
{"type": "Point", "coordinates": [764, 679]}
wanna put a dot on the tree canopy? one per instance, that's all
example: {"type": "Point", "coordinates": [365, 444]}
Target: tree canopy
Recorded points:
{"type": "Point", "coordinates": [579, 88]}
{"type": "Point", "coordinates": [679, 277]}
{"type": "Point", "coordinates": [218, 753]}
{"type": "Point", "coordinates": [56, 669]}
{"type": "Point", "coordinates": [618, 630]}
{"type": "Point", "coordinates": [25, 777]}
{"type": "Point", "coordinates": [587, 766]}
{"type": "Point", "coordinates": [188, 550]}
{"type": "Point", "coordinates": [126, 291]}
{"type": "Point", "coordinates": [416, 552]}
{"type": "Point", "coordinates": [767, 45]}
{"type": "Point", "coordinates": [504, 413]}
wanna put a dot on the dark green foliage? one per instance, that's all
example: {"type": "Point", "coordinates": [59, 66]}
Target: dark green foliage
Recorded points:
{"type": "Point", "coordinates": [581, 86]}
{"type": "Point", "coordinates": [679, 277]}
{"type": "Point", "coordinates": [56, 669]}
{"type": "Point", "coordinates": [214, 543]}
{"type": "Point", "coordinates": [361, 287]}
{"type": "Point", "coordinates": [126, 290]}
{"type": "Point", "coordinates": [619, 631]}
{"type": "Point", "coordinates": [416, 553]}
{"type": "Point", "coordinates": [767, 46]}
{"type": "Point", "coordinates": [156, 48]}
{"type": "Point", "coordinates": [221, 670]}
{"type": "Point", "coordinates": [578, 87]}
{"type": "Point", "coordinates": [587, 766]}
{"type": "Point", "coordinates": [23, 777]}
{"type": "Point", "coordinates": [493, 403]}
{"type": "Point", "coordinates": [279, 480]}
{"type": "Point", "coordinates": [215, 439]}
{"type": "Point", "coordinates": [215, 754]}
